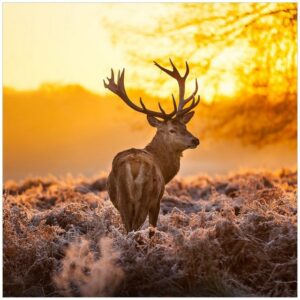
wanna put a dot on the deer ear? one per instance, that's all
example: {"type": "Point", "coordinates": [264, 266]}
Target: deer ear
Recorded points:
{"type": "Point", "coordinates": [187, 117]}
{"type": "Point", "coordinates": [153, 121]}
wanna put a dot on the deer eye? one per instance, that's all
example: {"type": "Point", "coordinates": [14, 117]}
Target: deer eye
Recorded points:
{"type": "Point", "coordinates": [172, 131]}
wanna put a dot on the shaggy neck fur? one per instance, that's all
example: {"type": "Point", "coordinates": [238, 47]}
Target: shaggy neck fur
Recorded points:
{"type": "Point", "coordinates": [167, 158]}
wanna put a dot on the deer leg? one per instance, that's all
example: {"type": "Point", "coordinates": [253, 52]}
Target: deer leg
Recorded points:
{"type": "Point", "coordinates": [154, 209]}
{"type": "Point", "coordinates": [126, 215]}
{"type": "Point", "coordinates": [126, 204]}
{"type": "Point", "coordinates": [112, 189]}
{"type": "Point", "coordinates": [140, 218]}
{"type": "Point", "coordinates": [142, 207]}
{"type": "Point", "coordinates": [153, 216]}
{"type": "Point", "coordinates": [153, 213]}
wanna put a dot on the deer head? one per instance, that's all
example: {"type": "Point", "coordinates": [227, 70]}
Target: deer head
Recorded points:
{"type": "Point", "coordinates": [171, 127]}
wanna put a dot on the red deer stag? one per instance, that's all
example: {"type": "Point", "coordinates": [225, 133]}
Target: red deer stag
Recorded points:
{"type": "Point", "coordinates": [138, 176]}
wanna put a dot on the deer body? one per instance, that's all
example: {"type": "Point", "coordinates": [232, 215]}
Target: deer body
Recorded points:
{"type": "Point", "coordinates": [137, 180]}
{"type": "Point", "coordinates": [135, 186]}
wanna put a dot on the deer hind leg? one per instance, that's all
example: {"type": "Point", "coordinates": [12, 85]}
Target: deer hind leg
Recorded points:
{"type": "Point", "coordinates": [157, 193]}
{"type": "Point", "coordinates": [139, 218]}
{"type": "Point", "coordinates": [153, 213]}
{"type": "Point", "coordinates": [124, 196]}
{"type": "Point", "coordinates": [125, 211]}
{"type": "Point", "coordinates": [133, 208]}
{"type": "Point", "coordinates": [143, 187]}
{"type": "Point", "coordinates": [112, 189]}
{"type": "Point", "coordinates": [154, 210]}
{"type": "Point", "coordinates": [125, 207]}
{"type": "Point", "coordinates": [144, 204]}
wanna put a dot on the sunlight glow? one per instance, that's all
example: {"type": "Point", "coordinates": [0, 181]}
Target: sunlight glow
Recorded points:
{"type": "Point", "coordinates": [62, 43]}
{"type": "Point", "coordinates": [228, 86]}
{"type": "Point", "coordinates": [78, 43]}
{"type": "Point", "coordinates": [58, 116]}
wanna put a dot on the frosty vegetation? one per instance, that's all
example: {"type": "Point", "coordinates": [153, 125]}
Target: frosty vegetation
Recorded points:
{"type": "Point", "coordinates": [223, 236]}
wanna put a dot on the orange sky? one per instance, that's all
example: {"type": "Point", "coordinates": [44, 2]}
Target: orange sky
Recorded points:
{"type": "Point", "coordinates": [69, 43]}
{"type": "Point", "coordinates": [64, 42]}
{"type": "Point", "coordinates": [61, 128]}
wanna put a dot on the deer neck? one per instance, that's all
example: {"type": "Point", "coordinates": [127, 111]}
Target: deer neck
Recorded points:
{"type": "Point", "coordinates": [167, 158]}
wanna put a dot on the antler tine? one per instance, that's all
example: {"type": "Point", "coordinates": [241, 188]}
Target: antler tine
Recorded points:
{"type": "Point", "coordinates": [175, 71]}
{"type": "Point", "coordinates": [189, 108]}
{"type": "Point", "coordinates": [120, 83]}
{"type": "Point", "coordinates": [161, 109]}
{"type": "Point", "coordinates": [181, 83]}
{"type": "Point", "coordinates": [187, 70]}
{"type": "Point", "coordinates": [192, 95]}
{"type": "Point", "coordinates": [112, 76]}
{"type": "Point", "coordinates": [174, 103]}
{"type": "Point", "coordinates": [142, 104]}
{"type": "Point", "coordinates": [111, 82]}
{"type": "Point", "coordinates": [163, 69]}
{"type": "Point", "coordinates": [119, 89]}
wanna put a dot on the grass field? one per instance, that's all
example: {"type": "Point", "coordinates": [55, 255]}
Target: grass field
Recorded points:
{"type": "Point", "coordinates": [234, 235]}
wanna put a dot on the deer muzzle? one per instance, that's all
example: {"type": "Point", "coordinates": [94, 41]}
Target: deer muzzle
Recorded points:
{"type": "Point", "coordinates": [194, 143]}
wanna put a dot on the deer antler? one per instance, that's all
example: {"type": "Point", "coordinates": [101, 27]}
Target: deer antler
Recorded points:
{"type": "Point", "coordinates": [181, 84]}
{"type": "Point", "coordinates": [119, 89]}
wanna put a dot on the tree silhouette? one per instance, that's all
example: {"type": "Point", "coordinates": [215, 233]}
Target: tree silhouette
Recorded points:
{"type": "Point", "coordinates": [248, 50]}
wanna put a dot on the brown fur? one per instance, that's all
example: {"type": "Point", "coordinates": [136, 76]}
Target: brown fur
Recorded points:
{"type": "Point", "coordinates": [135, 186]}
{"type": "Point", "coordinates": [138, 177]}
{"type": "Point", "coordinates": [136, 182]}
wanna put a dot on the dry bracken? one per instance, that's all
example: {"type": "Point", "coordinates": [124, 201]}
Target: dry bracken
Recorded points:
{"type": "Point", "coordinates": [225, 236]}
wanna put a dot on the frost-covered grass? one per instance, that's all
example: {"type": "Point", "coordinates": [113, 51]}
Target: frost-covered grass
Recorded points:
{"type": "Point", "coordinates": [225, 236]}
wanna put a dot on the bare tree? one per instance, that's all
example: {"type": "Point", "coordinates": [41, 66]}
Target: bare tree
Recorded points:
{"type": "Point", "coordinates": [252, 46]}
